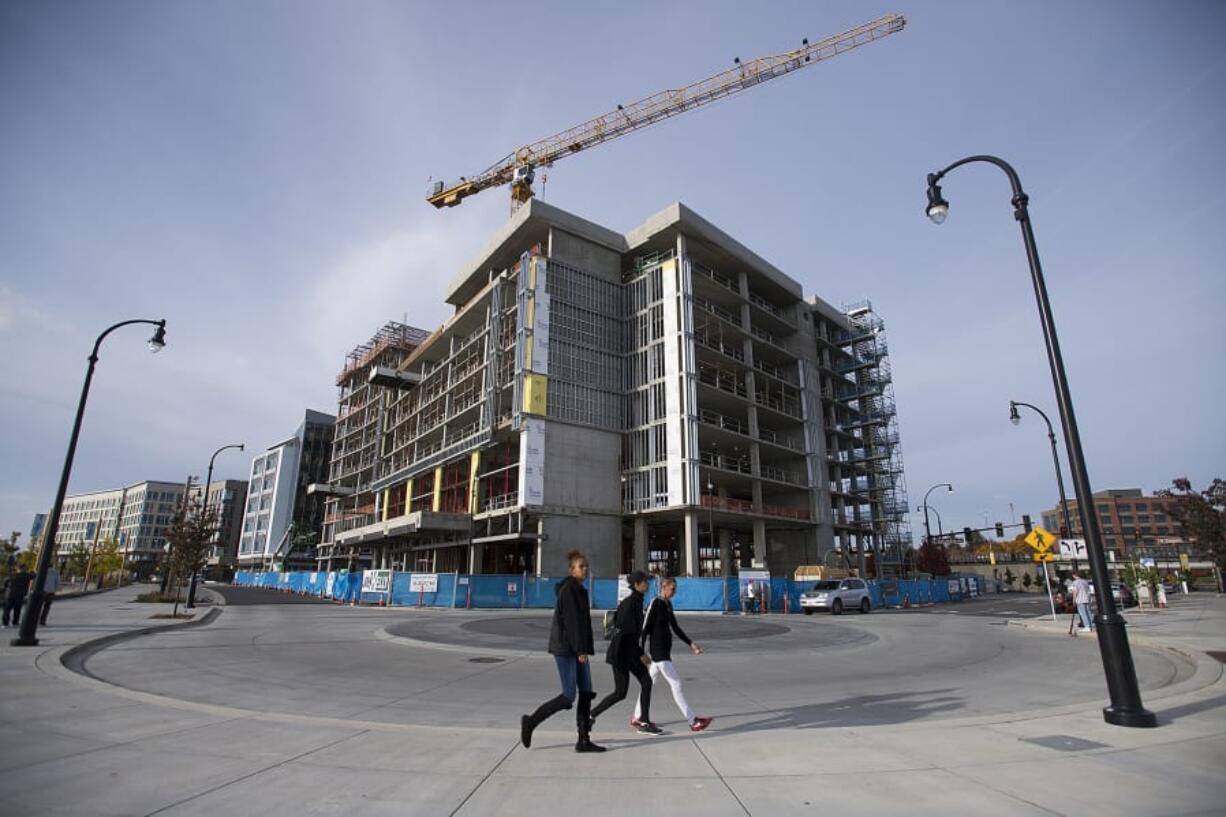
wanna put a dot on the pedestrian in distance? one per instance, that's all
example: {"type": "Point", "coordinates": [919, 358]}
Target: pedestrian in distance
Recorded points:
{"type": "Point", "coordinates": [658, 627]}
{"type": "Point", "coordinates": [15, 589]}
{"type": "Point", "coordinates": [50, 587]}
{"type": "Point", "coordinates": [626, 656]}
{"type": "Point", "coordinates": [1081, 597]}
{"type": "Point", "coordinates": [571, 644]}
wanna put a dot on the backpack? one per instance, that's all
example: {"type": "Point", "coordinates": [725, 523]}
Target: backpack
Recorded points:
{"type": "Point", "coordinates": [612, 631]}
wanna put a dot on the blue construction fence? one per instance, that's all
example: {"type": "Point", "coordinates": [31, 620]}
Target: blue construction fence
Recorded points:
{"type": "Point", "coordinates": [533, 592]}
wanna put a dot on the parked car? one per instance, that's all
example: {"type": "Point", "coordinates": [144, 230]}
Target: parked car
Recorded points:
{"type": "Point", "coordinates": [837, 595]}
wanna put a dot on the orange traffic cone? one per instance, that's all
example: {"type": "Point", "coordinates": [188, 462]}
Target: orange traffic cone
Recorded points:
{"type": "Point", "coordinates": [906, 601]}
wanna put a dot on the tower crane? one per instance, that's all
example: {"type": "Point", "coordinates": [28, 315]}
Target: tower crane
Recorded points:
{"type": "Point", "coordinates": [518, 168]}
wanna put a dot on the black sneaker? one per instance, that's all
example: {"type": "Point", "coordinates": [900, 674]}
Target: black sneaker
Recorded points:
{"type": "Point", "coordinates": [585, 745]}
{"type": "Point", "coordinates": [648, 729]}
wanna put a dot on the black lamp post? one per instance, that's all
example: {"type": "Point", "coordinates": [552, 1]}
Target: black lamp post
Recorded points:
{"type": "Point", "coordinates": [1016, 418]}
{"type": "Point", "coordinates": [940, 525]}
{"type": "Point", "coordinates": [1126, 708]}
{"type": "Point", "coordinates": [191, 587]}
{"type": "Point", "coordinates": [927, 529]}
{"type": "Point", "coordinates": [29, 624]}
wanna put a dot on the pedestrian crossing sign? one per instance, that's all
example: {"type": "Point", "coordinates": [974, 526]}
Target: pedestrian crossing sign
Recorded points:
{"type": "Point", "coordinates": [1041, 539]}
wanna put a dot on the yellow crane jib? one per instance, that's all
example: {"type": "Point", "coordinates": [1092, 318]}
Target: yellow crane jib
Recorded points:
{"type": "Point", "coordinates": [517, 167]}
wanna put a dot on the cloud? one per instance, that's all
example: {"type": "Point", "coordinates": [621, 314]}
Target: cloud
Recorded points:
{"type": "Point", "coordinates": [401, 276]}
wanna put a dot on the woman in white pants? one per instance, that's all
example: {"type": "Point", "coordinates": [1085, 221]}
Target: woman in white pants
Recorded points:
{"type": "Point", "coordinates": [658, 628]}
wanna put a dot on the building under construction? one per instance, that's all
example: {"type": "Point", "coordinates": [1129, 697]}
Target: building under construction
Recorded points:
{"type": "Point", "coordinates": [662, 399]}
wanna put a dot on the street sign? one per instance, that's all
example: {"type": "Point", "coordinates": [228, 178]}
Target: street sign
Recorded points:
{"type": "Point", "coordinates": [421, 582]}
{"type": "Point", "coordinates": [1045, 557]}
{"type": "Point", "coordinates": [1040, 539]}
{"type": "Point", "coordinates": [1073, 549]}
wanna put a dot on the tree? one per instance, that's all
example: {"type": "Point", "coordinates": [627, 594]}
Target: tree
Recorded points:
{"type": "Point", "coordinates": [108, 558]}
{"type": "Point", "coordinates": [932, 559]}
{"type": "Point", "coordinates": [189, 533]}
{"type": "Point", "coordinates": [28, 558]}
{"type": "Point", "coordinates": [78, 559]}
{"type": "Point", "coordinates": [1027, 581]}
{"type": "Point", "coordinates": [1009, 578]}
{"type": "Point", "coordinates": [1201, 515]}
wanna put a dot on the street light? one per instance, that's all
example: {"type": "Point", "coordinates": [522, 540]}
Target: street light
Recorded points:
{"type": "Point", "coordinates": [940, 524]}
{"type": "Point", "coordinates": [1016, 419]}
{"type": "Point", "coordinates": [1126, 708]}
{"type": "Point", "coordinates": [191, 587]}
{"type": "Point", "coordinates": [29, 623]}
{"type": "Point", "coordinates": [927, 529]}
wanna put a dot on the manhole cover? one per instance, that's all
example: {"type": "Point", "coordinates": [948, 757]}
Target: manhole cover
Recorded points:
{"type": "Point", "coordinates": [1065, 743]}
{"type": "Point", "coordinates": [486, 659]}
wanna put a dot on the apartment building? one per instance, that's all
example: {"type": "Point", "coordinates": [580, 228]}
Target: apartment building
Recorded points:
{"type": "Point", "coordinates": [1131, 523]}
{"type": "Point", "coordinates": [135, 517]}
{"type": "Point", "coordinates": [227, 499]}
{"type": "Point", "coordinates": [278, 509]}
{"type": "Point", "coordinates": [664, 399]}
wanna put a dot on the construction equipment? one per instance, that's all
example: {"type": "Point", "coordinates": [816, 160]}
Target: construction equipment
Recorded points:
{"type": "Point", "coordinates": [518, 168]}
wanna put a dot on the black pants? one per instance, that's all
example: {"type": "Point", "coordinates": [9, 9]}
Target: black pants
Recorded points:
{"type": "Point", "coordinates": [621, 684]}
{"type": "Point", "coordinates": [47, 599]}
{"type": "Point", "coordinates": [12, 608]}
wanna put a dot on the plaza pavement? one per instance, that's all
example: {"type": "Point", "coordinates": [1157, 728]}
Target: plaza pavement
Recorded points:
{"type": "Point", "coordinates": [203, 721]}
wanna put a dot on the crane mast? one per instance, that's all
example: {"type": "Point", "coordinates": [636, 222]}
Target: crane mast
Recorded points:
{"type": "Point", "coordinates": [517, 168]}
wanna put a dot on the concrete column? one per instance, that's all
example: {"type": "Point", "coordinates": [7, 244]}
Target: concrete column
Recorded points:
{"type": "Point", "coordinates": [689, 545]}
{"type": "Point", "coordinates": [725, 551]}
{"type": "Point", "coordinates": [759, 541]}
{"type": "Point", "coordinates": [640, 543]}
{"type": "Point", "coordinates": [476, 553]}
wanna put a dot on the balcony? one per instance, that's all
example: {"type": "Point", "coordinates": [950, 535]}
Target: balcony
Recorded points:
{"type": "Point", "coordinates": [724, 381]}
{"type": "Point", "coordinates": [714, 418]}
{"type": "Point", "coordinates": [740, 465]}
{"type": "Point", "coordinates": [791, 408]}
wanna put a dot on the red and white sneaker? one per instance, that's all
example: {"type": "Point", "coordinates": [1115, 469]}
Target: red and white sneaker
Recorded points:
{"type": "Point", "coordinates": [635, 723]}
{"type": "Point", "coordinates": [700, 724]}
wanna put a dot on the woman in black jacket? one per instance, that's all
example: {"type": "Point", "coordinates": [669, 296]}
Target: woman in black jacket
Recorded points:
{"type": "Point", "coordinates": [658, 628]}
{"type": "Point", "coordinates": [626, 656]}
{"type": "Point", "coordinates": [570, 643]}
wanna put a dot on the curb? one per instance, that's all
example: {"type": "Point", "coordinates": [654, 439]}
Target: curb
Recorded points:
{"type": "Point", "coordinates": [74, 658]}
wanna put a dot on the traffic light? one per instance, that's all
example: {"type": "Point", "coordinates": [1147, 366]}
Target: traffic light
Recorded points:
{"type": "Point", "coordinates": [966, 535]}
{"type": "Point", "coordinates": [1000, 530]}
{"type": "Point", "coordinates": [1063, 532]}
{"type": "Point", "coordinates": [1026, 522]}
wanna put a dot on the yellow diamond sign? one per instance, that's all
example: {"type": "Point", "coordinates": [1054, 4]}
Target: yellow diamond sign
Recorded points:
{"type": "Point", "coordinates": [1040, 539]}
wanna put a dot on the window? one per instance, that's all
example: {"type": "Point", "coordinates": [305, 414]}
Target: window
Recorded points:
{"type": "Point", "coordinates": [1121, 507]}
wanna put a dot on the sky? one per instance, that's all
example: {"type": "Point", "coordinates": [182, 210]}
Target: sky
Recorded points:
{"type": "Point", "coordinates": [255, 173]}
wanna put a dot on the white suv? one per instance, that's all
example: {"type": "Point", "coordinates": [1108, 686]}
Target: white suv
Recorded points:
{"type": "Point", "coordinates": [837, 595]}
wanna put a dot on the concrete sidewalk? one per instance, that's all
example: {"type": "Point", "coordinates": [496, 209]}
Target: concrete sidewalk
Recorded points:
{"type": "Point", "coordinates": [78, 745]}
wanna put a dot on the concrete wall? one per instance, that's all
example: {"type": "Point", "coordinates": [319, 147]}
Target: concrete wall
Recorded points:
{"type": "Point", "coordinates": [583, 254]}
{"type": "Point", "coordinates": [582, 497]}
{"type": "Point", "coordinates": [582, 468]}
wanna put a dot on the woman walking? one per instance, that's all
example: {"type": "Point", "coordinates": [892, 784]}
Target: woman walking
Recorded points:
{"type": "Point", "coordinates": [658, 629]}
{"type": "Point", "coordinates": [626, 656]}
{"type": "Point", "coordinates": [570, 643]}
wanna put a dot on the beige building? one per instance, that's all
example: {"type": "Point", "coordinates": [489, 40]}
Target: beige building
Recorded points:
{"type": "Point", "coordinates": [664, 398]}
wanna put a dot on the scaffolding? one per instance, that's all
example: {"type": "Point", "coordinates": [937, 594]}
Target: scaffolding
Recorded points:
{"type": "Point", "coordinates": [361, 417]}
{"type": "Point", "coordinates": [869, 390]}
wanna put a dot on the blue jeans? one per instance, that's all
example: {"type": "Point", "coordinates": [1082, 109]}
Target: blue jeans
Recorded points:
{"type": "Point", "coordinates": [571, 672]}
{"type": "Point", "coordinates": [1084, 611]}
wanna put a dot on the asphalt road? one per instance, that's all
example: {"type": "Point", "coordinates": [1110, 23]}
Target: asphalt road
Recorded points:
{"type": "Point", "coordinates": [484, 668]}
{"type": "Point", "coordinates": [256, 595]}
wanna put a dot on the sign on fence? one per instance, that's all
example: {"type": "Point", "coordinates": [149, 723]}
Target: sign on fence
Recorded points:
{"type": "Point", "coordinates": [376, 581]}
{"type": "Point", "coordinates": [423, 583]}
{"type": "Point", "coordinates": [512, 588]}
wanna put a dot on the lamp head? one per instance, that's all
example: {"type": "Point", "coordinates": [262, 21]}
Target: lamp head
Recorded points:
{"type": "Point", "coordinates": [938, 207]}
{"type": "Point", "coordinates": [950, 487]}
{"type": "Point", "coordinates": [158, 342]}
{"type": "Point", "coordinates": [1014, 417]}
